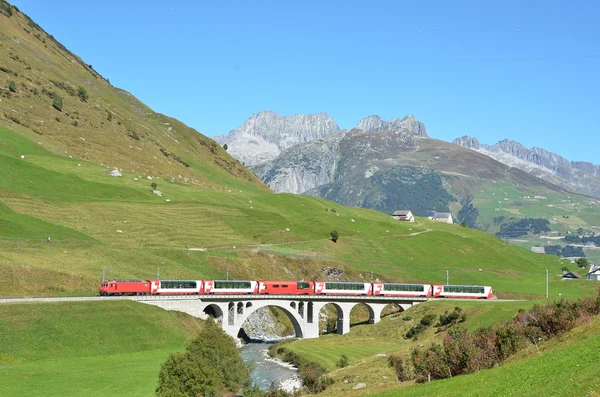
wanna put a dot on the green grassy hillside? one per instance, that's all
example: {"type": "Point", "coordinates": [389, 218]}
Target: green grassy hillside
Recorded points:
{"type": "Point", "coordinates": [97, 221]}
{"type": "Point", "coordinates": [528, 372]}
{"type": "Point", "coordinates": [213, 216]}
{"type": "Point", "coordinates": [95, 121]}
{"type": "Point", "coordinates": [563, 367]}
{"type": "Point", "coordinates": [87, 348]}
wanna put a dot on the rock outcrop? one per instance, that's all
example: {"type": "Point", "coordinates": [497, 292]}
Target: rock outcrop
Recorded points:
{"type": "Point", "coordinates": [266, 134]}
{"type": "Point", "coordinates": [374, 123]}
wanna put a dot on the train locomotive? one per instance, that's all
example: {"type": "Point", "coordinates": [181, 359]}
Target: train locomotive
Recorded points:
{"type": "Point", "coordinates": [264, 287]}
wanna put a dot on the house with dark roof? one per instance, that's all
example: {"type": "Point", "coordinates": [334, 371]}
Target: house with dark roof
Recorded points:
{"type": "Point", "coordinates": [445, 217]}
{"type": "Point", "coordinates": [571, 276]}
{"type": "Point", "coordinates": [403, 215]}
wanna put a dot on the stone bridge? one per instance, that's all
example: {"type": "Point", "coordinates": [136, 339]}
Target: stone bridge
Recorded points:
{"type": "Point", "coordinates": [231, 311]}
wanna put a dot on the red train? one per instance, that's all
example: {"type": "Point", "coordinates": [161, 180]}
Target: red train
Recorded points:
{"type": "Point", "coordinates": [247, 287]}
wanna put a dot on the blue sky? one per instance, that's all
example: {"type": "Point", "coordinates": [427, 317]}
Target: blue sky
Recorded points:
{"type": "Point", "coordinates": [522, 70]}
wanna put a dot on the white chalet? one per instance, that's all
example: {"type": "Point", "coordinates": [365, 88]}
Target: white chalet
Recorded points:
{"type": "Point", "coordinates": [403, 215]}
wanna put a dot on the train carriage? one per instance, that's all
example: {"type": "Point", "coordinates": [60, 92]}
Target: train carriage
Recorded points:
{"type": "Point", "coordinates": [176, 287]}
{"type": "Point", "coordinates": [421, 290]}
{"type": "Point", "coordinates": [342, 288]}
{"type": "Point", "coordinates": [227, 287]}
{"type": "Point", "coordinates": [286, 287]}
{"type": "Point", "coordinates": [462, 291]}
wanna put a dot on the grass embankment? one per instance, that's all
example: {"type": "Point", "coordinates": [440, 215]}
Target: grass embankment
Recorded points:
{"type": "Point", "coordinates": [87, 348]}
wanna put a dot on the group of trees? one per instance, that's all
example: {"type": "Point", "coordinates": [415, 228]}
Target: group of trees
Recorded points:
{"type": "Point", "coordinates": [567, 252]}
{"type": "Point", "coordinates": [467, 216]}
{"type": "Point", "coordinates": [570, 238]}
{"type": "Point", "coordinates": [523, 227]}
{"type": "Point", "coordinates": [210, 367]}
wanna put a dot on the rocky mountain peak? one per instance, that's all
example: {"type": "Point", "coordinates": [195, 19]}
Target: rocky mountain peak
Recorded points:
{"type": "Point", "coordinates": [374, 123]}
{"type": "Point", "coordinates": [468, 142]}
{"type": "Point", "coordinates": [266, 134]}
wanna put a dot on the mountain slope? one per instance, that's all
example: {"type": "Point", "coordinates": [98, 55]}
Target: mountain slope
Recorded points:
{"type": "Point", "coordinates": [387, 171]}
{"type": "Point", "coordinates": [576, 176]}
{"type": "Point", "coordinates": [54, 98]}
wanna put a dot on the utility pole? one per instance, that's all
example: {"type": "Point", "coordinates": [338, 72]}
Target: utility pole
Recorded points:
{"type": "Point", "coordinates": [447, 277]}
{"type": "Point", "coordinates": [227, 273]}
{"type": "Point", "coordinates": [371, 276]}
{"type": "Point", "coordinates": [103, 268]}
{"type": "Point", "coordinates": [546, 283]}
{"type": "Point", "coordinates": [158, 273]}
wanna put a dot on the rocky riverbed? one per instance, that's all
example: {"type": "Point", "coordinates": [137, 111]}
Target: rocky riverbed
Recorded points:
{"type": "Point", "coordinates": [269, 371]}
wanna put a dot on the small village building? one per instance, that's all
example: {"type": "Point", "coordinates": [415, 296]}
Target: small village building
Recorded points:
{"type": "Point", "coordinates": [571, 276]}
{"type": "Point", "coordinates": [445, 217]}
{"type": "Point", "coordinates": [403, 215]}
{"type": "Point", "coordinates": [594, 273]}
{"type": "Point", "coordinates": [538, 250]}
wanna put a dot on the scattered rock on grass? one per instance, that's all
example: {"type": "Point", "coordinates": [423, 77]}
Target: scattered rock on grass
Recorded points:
{"type": "Point", "coordinates": [359, 386]}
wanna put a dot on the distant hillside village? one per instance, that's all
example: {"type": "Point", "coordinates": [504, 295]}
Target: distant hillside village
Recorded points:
{"type": "Point", "coordinates": [575, 247]}
{"type": "Point", "coordinates": [407, 216]}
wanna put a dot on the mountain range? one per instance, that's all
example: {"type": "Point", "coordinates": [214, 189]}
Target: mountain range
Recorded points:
{"type": "Point", "coordinates": [390, 165]}
{"type": "Point", "coordinates": [577, 176]}
{"type": "Point", "coordinates": [262, 140]}
{"type": "Point", "coordinates": [266, 134]}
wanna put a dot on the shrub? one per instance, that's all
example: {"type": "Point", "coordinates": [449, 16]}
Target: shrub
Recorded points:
{"type": "Point", "coordinates": [109, 115]}
{"type": "Point", "coordinates": [401, 368]}
{"type": "Point", "coordinates": [343, 362]}
{"type": "Point", "coordinates": [82, 93]}
{"type": "Point", "coordinates": [12, 86]}
{"type": "Point", "coordinates": [582, 263]}
{"type": "Point", "coordinates": [57, 103]}
{"type": "Point", "coordinates": [415, 331]}
{"type": "Point", "coordinates": [153, 185]}
{"type": "Point", "coordinates": [452, 318]}
{"type": "Point", "coordinates": [225, 147]}
{"type": "Point", "coordinates": [334, 236]}
{"type": "Point", "coordinates": [427, 319]}
{"type": "Point", "coordinates": [407, 318]}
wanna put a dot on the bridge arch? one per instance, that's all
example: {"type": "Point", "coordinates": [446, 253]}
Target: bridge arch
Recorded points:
{"type": "Point", "coordinates": [370, 310]}
{"type": "Point", "coordinates": [295, 318]}
{"type": "Point", "coordinates": [331, 325]}
{"type": "Point", "coordinates": [215, 311]}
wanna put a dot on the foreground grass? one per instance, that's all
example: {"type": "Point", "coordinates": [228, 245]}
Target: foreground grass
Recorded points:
{"type": "Point", "coordinates": [132, 374]}
{"type": "Point", "coordinates": [87, 348]}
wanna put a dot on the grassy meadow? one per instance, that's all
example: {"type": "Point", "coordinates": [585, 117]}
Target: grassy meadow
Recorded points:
{"type": "Point", "coordinates": [87, 348]}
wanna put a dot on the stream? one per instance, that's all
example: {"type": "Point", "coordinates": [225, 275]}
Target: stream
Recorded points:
{"type": "Point", "coordinates": [267, 370]}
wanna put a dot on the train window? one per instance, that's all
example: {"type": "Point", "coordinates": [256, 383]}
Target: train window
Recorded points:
{"type": "Point", "coordinates": [275, 285]}
{"type": "Point", "coordinates": [284, 286]}
{"type": "Point", "coordinates": [177, 284]}
{"type": "Point", "coordinates": [463, 289]}
{"type": "Point", "coordinates": [403, 287]}
{"type": "Point", "coordinates": [303, 285]}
